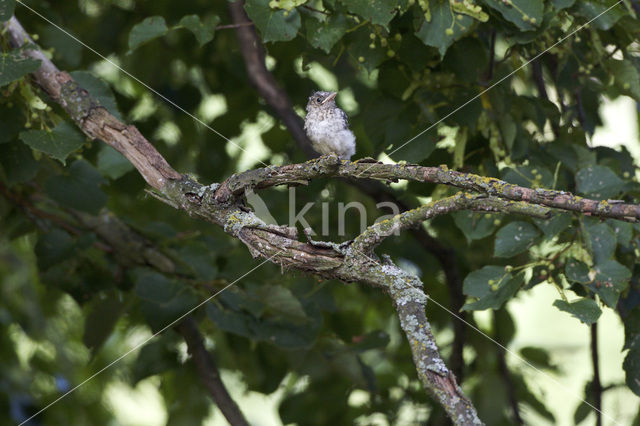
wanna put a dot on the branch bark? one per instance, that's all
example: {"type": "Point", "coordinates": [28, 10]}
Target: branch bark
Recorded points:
{"type": "Point", "coordinates": [253, 54]}
{"type": "Point", "coordinates": [327, 166]}
{"type": "Point", "coordinates": [348, 262]}
{"type": "Point", "coordinates": [264, 82]}
{"type": "Point", "coordinates": [209, 373]}
{"type": "Point", "coordinates": [94, 120]}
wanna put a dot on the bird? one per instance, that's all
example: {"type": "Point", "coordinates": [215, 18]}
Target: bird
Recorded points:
{"type": "Point", "coordinates": [327, 126]}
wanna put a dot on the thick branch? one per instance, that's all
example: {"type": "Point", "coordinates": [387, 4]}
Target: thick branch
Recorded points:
{"type": "Point", "coordinates": [221, 205]}
{"type": "Point", "coordinates": [410, 302]}
{"type": "Point", "coordinates": [276, 97]}
{"type": "Point", "coordinates": [374, 234]}
{"type": "Point", "coordinates": [326, 166]}
{"type": "Point", "coordinates": [209, 373]}
{"type": "Point", "coordinates": [95, 121]}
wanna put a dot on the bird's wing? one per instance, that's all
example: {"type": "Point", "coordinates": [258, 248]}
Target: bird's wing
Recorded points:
{"type": "Point", "coordinates": [343, 116]}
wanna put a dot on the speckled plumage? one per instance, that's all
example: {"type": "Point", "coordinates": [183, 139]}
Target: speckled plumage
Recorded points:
{"type": "Point", "coordinates": [327, 126]}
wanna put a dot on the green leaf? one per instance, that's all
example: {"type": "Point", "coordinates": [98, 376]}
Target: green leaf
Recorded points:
{"type": "Point", "coordinates": [6, 9]}
{"type": "Point", "coordinates": [414, 150]}
{"type": "Point", "coordinates": [586, 310]}
{"type": "Point", "coordinates": [611, 279]}
{"type": "Point", "coordinates": [492, 285]}
{"type": "Point", "coordinates": [154, 358]}
{"type": "Point", "coordinates": [113, 164]}
{"type": "Point", "coordinates": [53, 248]}
{"type": "Point", "coordinates": [359, 49]}
{"type": "Point", "coordinates": [538, 357]}
{"type": "Point", "coordinates": [514, 238]}
{"type": "Point", "coordinates": [18, 162]}
{"type": "Point", "coordinates": [562, 4]}
{"type": "Point", "coordinates": [57, 143]}
{"type": "Point", "coordinates": [468, 50]}
{"type": "Point", "coordinates": [12, 120]}
{"type": "Point", "coordinates": [581, 413]}
{"type": "Point", "coordinates": [475, 226]}
{"type": "Point", "coordinates": [631, 363]}
{"type": "Point", "coordinates": [150, 28]}
{"type": "Point", "coordinates": [204, 31]}
{"type": "Point", "coordinates": [229, 320]}
{"type": "Point", "coordinates": [577, 271]}
{"type": "Point", "coordinates": [602, 241]}
{"type": "Point", "coordinates": [98, 89]}
{"type": "Point", "coordinates": [527, 175]}
{"type": "Point", "coordinates": [598, 182]}
{"type": "Point", "coordinates": [286, 4]}
{"type": "Point", "coordinates": [102, 316]}
{"type": "Point", "coordinates": [78, 188]}
{"type": "Point", "coordinates": [554, 225]}
{"type": "Point", "coordinates": [525, 14]}
{"type": "Point", "coordinates": [64, 52]}
{"type": "Point", "coordinates": [379, 12]}
{"type": "Point", "coordinates": [200, 259]}
{"type": "Point", "coordinates": [622, 230]}
{"type": "Point", "coordinates": [13, 67]}
{"type": "Point", "coordinates": [284, 334]}
{"type": "Point", "coordinates": [162, 300]}
{"type": "Point", "coordinates": [374, 340]}
{"type": "Point", "coordinates": [631, 366]}
{"type": "Point", "coordinates": [632, 328]}
{"type": "Point", "coordinates": [323, 35]}
{"type": "Point", "coordinates": [444, 28]}
{"type": "Point", "coordinates": [626, 77]}
{"type": "Point", "coordinates": [280, 301]}
{"type": "Point", "coordinates": [591, 9]}
{"type": "Point", "coordinates": [273, 24]}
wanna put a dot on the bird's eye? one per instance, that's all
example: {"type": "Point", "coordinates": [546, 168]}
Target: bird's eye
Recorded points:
{"type": "Point", "coordinates": [318, 100]}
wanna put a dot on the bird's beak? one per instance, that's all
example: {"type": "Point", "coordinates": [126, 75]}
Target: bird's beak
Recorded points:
{"type": "Point", "coordinates": [331, 97]}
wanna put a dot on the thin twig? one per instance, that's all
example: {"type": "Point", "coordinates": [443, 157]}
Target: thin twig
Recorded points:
{"type": "Point", "coordinates": [596, 385]}
{"type": "Point", "coordinates": [227, 26]}
{"type": "Point", "coordinates": [506, 378]}
{"type": "Point", "coordinates": [313, 9]}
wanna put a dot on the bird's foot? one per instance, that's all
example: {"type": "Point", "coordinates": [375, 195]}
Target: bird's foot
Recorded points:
{"type": "Point", "coordinates": [329, 159]}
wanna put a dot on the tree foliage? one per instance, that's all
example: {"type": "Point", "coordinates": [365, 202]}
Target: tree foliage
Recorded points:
{"type": "Point", "coordinates": [87, 262]}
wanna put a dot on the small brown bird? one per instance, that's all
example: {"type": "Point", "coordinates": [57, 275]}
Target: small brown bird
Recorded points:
{"type": "Point", "coordinates": [328, 127]}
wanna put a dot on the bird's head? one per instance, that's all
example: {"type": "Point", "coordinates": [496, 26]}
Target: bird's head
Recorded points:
{"type": "Point", "coordinates": [321, 100]}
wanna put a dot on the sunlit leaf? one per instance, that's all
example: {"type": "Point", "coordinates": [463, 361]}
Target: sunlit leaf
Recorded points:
{"type": "Point", "coordinates": [586, 310]}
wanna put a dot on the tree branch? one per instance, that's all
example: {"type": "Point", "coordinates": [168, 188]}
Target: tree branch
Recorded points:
{"type": "Point", "coordinates": [506, 377]}
{"type": "Point", "coordinates": [327, 166]}
{"type": "Point", "coordinates": [209, 373]}
{"type": "Point", "coordinates": [596, 383]}
{"type": "Point", "coordinates": [94, 120]}
{"type": "Point", "coordinates": [264, 82]}
{"type": "Point", "coordinates": [538, 77]}
{"type": "Point", "coordinates": [221, 204]}
{"type": "Point", "coordinates": [131, 249]}
{"type": "Point", "coordinates": [276, 97]}
{"type": "Point", "coordinates": [374, 234]}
